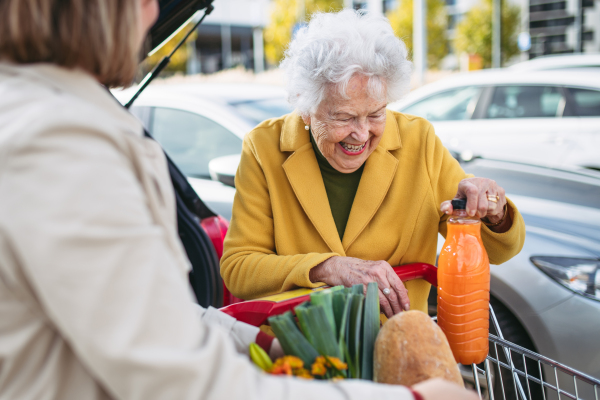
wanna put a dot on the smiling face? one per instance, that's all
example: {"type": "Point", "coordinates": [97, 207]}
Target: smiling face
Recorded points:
{"type": "Point", "coordinates": [348, 130]}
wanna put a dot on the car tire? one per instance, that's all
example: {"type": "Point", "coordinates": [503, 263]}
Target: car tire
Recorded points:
{"type": "Point", "coordinates": [513, 331]}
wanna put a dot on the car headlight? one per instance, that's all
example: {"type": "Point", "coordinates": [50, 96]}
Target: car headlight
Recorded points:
{"type": "Point", "coordinates": [581, 275]}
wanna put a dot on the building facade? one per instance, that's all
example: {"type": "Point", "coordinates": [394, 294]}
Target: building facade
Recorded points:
{"type": "Point", "coordinates": [232, 35]}
{"type": "Point", "coordinates": [554, 26]}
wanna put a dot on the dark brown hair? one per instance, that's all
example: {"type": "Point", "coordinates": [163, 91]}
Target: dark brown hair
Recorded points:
{"type": "Point", "coordinates": [98, 36]}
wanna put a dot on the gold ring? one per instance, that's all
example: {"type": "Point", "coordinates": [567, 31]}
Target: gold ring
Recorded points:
{"type": "Point", "coordinates": [493, 198]}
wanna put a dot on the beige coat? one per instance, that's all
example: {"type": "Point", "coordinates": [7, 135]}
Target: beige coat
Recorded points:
{"type": "Point", "coordinates": [94, 300]}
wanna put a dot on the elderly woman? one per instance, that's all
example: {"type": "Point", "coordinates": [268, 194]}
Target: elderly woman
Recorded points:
{"type": "Point", "coordinates": [342, 189]}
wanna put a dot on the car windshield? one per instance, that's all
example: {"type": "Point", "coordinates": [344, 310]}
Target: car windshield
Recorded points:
{"type": "Point", "coordinates": [451, 105]}
{"type": "Point", "coordinates": [257, 111]}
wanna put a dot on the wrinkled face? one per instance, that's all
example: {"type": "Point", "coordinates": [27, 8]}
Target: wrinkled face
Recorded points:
{"type": "Point", "coordinates": [347, 131]}
{"type": "Point", "coordinates": [148, 15]}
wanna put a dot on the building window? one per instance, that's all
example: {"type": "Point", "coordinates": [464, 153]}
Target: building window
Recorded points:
{"type": "Point", "coordinates": [561, 5]}
{"type": "Point", "coordinates": [552, 22]}
{"type": "Point", "coordinates": [556, 38]}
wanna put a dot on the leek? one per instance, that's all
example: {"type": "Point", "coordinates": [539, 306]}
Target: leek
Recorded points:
{"type": "Point", "coordinates": [370, 330]}
{"type": "Point", "coordinates": [291, 339]}
{"type": "Point", "coordinates": [317, 329]}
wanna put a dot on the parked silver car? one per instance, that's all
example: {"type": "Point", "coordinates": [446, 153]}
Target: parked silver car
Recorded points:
{"type": "Point", "coordinates": [547, 298]}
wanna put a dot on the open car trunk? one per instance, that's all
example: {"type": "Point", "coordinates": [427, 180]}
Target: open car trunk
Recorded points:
{"type": "Point", "coordinates": [194, 218]}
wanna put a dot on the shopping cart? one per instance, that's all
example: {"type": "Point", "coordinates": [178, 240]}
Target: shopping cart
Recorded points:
{"type": "Point", "coordinates": [509, 371]}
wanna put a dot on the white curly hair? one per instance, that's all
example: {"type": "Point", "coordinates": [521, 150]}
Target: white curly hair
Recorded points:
{"type": "Point", "coordinates": [334, 47]}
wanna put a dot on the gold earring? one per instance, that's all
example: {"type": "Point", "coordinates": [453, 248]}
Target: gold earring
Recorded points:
{"type": "Point", "coordinates": [306, 127]}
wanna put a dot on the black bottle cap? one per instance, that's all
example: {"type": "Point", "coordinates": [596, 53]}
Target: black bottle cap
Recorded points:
{"type": "Point", "coordinates": [459, 204]}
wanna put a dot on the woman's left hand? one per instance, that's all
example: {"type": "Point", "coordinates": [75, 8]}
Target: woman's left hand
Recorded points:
{"type": "Point", "coordinates": [480, 194]}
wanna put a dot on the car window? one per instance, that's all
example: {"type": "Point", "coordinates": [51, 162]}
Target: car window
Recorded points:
{"type": "Point", "coordinates": [451, 105]}
{"type": "Point", "coordinates": [142, 113]}
{"type": "Point", "coordinates": [526, 102]}
{"type": "Point", "coordinates": [586, 103]}
{"type": "Point", "coordinates": [256, 111]}
{"type": "Point", "coordinates": [192, 140]}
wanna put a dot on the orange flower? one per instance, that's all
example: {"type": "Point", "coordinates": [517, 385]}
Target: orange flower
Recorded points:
{"type": "Point", "coordinates": [303, 373]}
{"type": "Point", "coordinates": [337, 363]}
{"type": "Point", "coordinates": [294, 362]}
{"type": "Point", "coordinates": [329, 361]}
{"type": "Point", "coordinates": [283, 369]}
{"type": "Point", "coordinates": [318, 368]}
{"type": "Point", "coordinates": [286, 365]}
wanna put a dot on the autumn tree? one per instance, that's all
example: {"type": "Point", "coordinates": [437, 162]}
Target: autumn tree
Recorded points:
{"type": "Point", "coordinates": [178, 61]}
{"type": "Point", "coordinates": [285, 14]}
{"type": "Point", "coordinates": [474, 32]}
{"type": "Point", "coordinates": [401, 20]}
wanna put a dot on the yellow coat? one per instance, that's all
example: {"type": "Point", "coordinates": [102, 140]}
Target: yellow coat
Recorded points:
{"type": "Point", "coordinates": [282, 224]}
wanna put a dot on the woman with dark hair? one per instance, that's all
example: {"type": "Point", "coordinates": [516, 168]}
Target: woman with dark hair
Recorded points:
{"type": "Point", "coordinates": [94, 299]}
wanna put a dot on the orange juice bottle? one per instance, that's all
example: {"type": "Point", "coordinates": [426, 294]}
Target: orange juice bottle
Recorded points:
{"type": "Point", "coordinates": [464, 287]}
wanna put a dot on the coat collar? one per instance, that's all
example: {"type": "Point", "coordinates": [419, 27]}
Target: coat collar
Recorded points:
{"type": "Point", "coordinates": [304, 175]}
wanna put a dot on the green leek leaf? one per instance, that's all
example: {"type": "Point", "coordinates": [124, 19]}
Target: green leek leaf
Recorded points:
{"type": "Point", "coordinates": [324, 298]}
{"type": "Point", "coordinates": [291, 339]}
{"type": "Point", "coordinates": [317, 329]}
{"type": "Point", "coordinates": [354, 331]}
{"type": "Point", "coordinates": [370, 330]}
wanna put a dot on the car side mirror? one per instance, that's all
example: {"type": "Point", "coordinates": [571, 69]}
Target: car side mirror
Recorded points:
{"type": "Point", "coordinates": [223, 169]}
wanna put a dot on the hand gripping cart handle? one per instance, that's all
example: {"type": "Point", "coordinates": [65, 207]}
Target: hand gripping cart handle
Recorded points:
{"type": "Point", "coordinates": [497, 376]}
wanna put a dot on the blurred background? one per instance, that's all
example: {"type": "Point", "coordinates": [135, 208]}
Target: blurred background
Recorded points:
{"type": "Point", "coordinates": [459, 35]}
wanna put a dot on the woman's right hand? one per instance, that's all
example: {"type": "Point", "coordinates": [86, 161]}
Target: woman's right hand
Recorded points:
{"type": "Point", "coordinates": [350, 271]}
{"type": "Point", "coordinates": [439, 389]}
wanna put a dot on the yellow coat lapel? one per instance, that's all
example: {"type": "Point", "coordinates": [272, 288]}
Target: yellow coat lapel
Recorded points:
{"type": "Point", "coordinates": [304, 175]}
{"type": "Point", "coordinates": [380, 169]}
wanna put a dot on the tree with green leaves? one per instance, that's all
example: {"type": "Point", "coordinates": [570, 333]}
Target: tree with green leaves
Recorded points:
{"type": "Point", "coordinates": [401, 20]}
{"type": "Point", "coordinates": [474, 32]}
{"type": "Point", "coordinates": [285, 14]}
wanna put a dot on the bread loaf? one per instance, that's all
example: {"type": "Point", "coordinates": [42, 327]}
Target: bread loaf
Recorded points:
{"type": "Point", "coordinates": [411, 348]}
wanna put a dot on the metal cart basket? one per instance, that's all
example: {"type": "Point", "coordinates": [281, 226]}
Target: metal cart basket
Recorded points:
{"type": "Point", "coordinates": [509, 371]}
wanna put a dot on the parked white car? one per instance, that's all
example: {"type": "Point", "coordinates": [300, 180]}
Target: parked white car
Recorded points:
{"type": "Point", "coordinates": [545, 117]}
{"type": "Point", "coordinates": [559, 61]}
{"type": "Point", "coordinates": [197, 122]}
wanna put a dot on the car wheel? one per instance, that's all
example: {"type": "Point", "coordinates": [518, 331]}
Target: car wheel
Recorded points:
{"type": "Point", "coordinates": [514, 332]}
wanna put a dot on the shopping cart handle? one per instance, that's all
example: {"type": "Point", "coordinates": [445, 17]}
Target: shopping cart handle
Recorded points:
{"type": "Point", "coordinates": [412, 271]}
{"type": "Point", "coordinates": [256, 312]}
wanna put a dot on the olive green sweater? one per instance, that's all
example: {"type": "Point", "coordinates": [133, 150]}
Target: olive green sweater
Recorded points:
{"type": "Point", "coordinates": [340, 187]}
